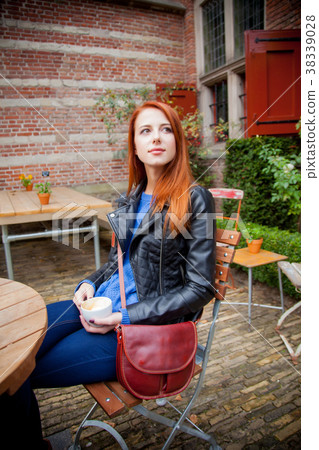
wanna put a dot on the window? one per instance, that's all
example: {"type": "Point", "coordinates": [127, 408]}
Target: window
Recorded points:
{"type": "Point", "coordinates": [224, 23]}
{"type": "Point", "coordinates": [243, 105]}
{"type": "Point", "coordinates": [248, 15]}
{"type": "Point", "coordinates": [214, 34]}
{"type": "Point", "coordinates": [220, 111]}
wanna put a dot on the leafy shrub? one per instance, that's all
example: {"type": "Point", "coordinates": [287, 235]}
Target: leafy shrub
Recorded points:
{"type": "Point", "coordinates": [246, 162]}
{"type": "Point", "coordinates": [287, 176]}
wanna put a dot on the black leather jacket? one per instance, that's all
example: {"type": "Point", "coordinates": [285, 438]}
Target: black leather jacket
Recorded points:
{"type": "Point", "coordinates": [174, 273]}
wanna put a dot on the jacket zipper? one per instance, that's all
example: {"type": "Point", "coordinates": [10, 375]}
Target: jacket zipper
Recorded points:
{"type": "Point", "coordinates": [132, 265]}
{"type": "Point", "coordinates": [161, 264]}
{"type": "Point", "coordinates": [133, 270]}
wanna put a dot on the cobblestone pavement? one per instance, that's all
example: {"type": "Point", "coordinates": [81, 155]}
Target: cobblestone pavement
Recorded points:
{"type": "Point", "coordinates": [251, 397]}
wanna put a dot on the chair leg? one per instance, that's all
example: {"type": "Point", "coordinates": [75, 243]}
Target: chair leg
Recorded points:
{"type": "Point", "coordinates": [294, 354]}
{"type": "Point", "coordinates": [280, 290]}
{"type": "Point", "coordinates": [76, 445]}
{"type": "Point", "coordinates": [96, 423]}
{"type": "Point", "coordinates": [250, 294]}
{"type": "Point", "coordinates": [176, 426]}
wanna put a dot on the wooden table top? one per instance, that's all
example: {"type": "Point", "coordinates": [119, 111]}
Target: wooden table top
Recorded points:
{"type": "Point", "coordinates": [247, 259]}
{"type": "Point", "coordinates": [20, 206]}
{"type": "Point", "coordinates": [23, 322]}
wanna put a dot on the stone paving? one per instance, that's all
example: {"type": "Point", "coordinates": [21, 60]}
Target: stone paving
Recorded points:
{"type": "Point", "coordinates": [251, 397]}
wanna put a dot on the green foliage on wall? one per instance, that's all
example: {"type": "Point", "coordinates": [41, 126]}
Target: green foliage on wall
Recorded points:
{"type": "Point", "coordinates": [258, 167]}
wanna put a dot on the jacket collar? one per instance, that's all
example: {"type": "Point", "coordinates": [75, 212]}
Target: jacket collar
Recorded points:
{"type": "Point", "coordinates": [122, 225]}
{"type": "Point", "coordinates": [133, 196]}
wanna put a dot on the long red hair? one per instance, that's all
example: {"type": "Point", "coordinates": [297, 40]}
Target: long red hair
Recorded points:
{"type": "Point", "coordinates": [173, 185]}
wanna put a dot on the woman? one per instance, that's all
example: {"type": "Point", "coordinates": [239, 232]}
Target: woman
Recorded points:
{"type": "Point", "coordinates": [165, 228]}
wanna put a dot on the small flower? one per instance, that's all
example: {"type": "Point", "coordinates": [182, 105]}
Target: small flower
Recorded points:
{"type": "Point", "coordinates": [25, 180]}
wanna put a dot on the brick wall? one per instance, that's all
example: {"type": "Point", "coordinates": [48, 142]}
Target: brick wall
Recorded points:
{"type": "Point", "coordinates": [57, 57]}
{"type": "Point", "coordinates": [283, 15]}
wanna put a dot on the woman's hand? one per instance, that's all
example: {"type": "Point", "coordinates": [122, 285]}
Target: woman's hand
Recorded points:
{"type": "Point", "coordinates": [84, 292]}
{"type": "Point", "coordinates": [107, 324]}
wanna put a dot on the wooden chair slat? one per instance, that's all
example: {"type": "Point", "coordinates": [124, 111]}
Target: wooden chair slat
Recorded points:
{"type": "Point", "coordinates": [198, 369]}
{"type": "Point", "coordinates": [230, 237]}
{"type": "Point", "coordinates": [106, 399]}
{"type": "Point", "coordinates": [222, 272]}
{"type": "Point", "coordinates": [225, 254]}
{"type": "Point", "coordinates": [125, 396]}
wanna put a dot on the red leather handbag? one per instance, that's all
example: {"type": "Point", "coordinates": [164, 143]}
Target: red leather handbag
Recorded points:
{"type": "Point", "coordinates": [154, 361]}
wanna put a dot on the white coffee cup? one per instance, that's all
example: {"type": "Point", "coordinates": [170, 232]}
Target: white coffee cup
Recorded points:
{"type": "Point", "coordinates": [96, 308]}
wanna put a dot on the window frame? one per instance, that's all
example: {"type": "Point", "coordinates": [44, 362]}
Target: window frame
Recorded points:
{"type": "Point", "coordinates": [215, 61]}
{"type": "Point", "coordinates": [232, 71]}
{"type": "Point", "coordinates": [217, 104]}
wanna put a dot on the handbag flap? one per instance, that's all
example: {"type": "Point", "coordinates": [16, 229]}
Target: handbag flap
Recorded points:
{"type": "Point", "coordinates": [160, 348]}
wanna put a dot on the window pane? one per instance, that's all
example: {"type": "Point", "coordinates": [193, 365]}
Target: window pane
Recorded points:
{"type": "Point", "coordinates": [221, 102]}
{"type": "Point", "coordinates": [214, 34]}
{"type": "Point", "coordinates": [220, 111]}
{"type": "Point", "coordinates": [248, 15]}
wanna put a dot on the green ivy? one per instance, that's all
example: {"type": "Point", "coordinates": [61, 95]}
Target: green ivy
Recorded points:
{"type": "Point", "coordinates": [114, 108]}
{"type": "Point", "coordinates": [268, 200]}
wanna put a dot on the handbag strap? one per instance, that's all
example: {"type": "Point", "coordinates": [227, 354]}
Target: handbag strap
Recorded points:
{"type": "Point", "coordinates": [121, 275]}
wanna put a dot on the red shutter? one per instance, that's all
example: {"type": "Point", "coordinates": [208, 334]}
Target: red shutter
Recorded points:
{"type": "Point", "coordinates": [184, 97]}
{"type": "Point", "coordinates": [273, 81]}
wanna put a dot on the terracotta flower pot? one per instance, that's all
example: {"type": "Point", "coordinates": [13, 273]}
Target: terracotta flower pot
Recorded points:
{"type": "Point", "coordinates": [255, 245]}
{"type": "Point", "coordinates": [29, 187]}
{"type": "Point", "coordinates": [44, 198]}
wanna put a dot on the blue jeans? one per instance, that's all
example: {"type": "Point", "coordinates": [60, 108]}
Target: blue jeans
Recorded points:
{"type": "Point", "coordinates": [68, 356]}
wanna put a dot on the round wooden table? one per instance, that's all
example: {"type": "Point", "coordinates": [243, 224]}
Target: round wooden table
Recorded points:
{"type": "Point", "coordinates": [23, 323]}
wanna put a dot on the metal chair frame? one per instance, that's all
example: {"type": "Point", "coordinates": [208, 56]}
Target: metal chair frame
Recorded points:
{"type": "Point", "coordinates": [202, 357]}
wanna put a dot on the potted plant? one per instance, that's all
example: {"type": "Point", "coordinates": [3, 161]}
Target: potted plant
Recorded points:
{"type": "Point", "coordinates": [26, 181]}
{"type": "Point", "coordinates": [221, 130]}
{"type": "Point", "coordinates": [252, 234]}
{"type": "Point", "coordinates": [44, 191]}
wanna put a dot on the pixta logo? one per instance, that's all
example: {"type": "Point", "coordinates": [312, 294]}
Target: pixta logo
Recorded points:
{"type": "Point", "coordinates": [74, 220]}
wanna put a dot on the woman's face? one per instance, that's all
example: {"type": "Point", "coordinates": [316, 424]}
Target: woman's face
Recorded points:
{"type": "Point", "coordinates": [154, 139]}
